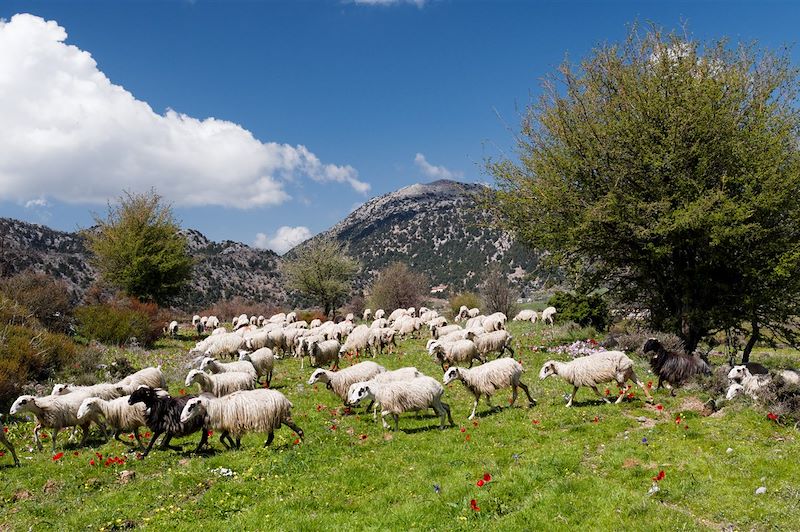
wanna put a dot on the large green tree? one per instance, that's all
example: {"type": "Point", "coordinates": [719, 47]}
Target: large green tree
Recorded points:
{"type": "Point", "coordinates": [138, 248]}
{"type": "Point", "coordinates": [668, 170]}
{"type": "Point", "coordinates": [322, 271]}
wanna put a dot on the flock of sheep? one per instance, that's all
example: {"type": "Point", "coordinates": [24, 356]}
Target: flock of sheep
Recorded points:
{"type": "Point", "coordinates": [232, 403]}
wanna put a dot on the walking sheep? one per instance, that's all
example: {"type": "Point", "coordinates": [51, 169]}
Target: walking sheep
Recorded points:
{"type": "Point", "coordinates": [461, 351]}
{"type": "Point", "coordinates": [152, 376]}
{"type": "Point", "coordinates": [547, 314]}
{"type": "Point", "coordinates": [221, 383]}
{"type": "Point", "coordinates": [118, 414]}
{"type": "Point", "coordinates": [214, 366]}
{"type": "Point", "coordinates": [487, 378]}
{"type": "Point", "coordinates": [493, 342]}
{"type": "Point", "coordinates": [163, 416]}
{"type": "Point", "coordinates": [339, 381]}
{"type": "Point", "coordinates": [54, 412]}
{"type": "Point", "coordinates": [242, 412]}
{"type": "Point", "coordinates": [263, 360]}
{"type": "Point", "coordinates": [594, 369]}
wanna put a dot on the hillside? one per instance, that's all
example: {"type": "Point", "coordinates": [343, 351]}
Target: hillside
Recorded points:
{"type": "Point", "coordinates": [436, 228]}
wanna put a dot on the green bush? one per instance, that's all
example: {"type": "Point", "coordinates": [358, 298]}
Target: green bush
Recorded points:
{"type": "Point", "coordinates": [112, 324]}
{"type": "Point", "coordinates": [468, 299]}
{"type": "Point", "coordinates": [585, 310]}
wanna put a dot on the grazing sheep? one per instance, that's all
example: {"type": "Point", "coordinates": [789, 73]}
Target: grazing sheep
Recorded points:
{"type": "Point", "coordinates": [195, 320]}
{"type": "Point", "coordinates": [592, 370]}
{"type": "Point", "coordinates": [460, 351]}
{"type": "Point", "coordinates": [380, 338]}
{"type": "Point", "coordinates": [494, 322]}
{"type": "Point", "coordinates": [380, 323]}
{"type": "Point", "coordinates": [291, 317]}
{"type": "Point", "coordinates": [401, 374]}
{"type": "Point", "coordinates": [163, 416]}
{"type": "Point", "coordinates": [325, 352]}
{"type": "Point", "coordinates": [475, 323]}
{"type": "Point", "coordinates": [53, 412]}
{"type": "Point", "coordinates": [152, 376]}
{"type": "Point", "coordinates": [263, 360]}
{"type": "Point", "coordinates": [397, 397]}
{"type": "Point", "coordinates": [212, 322]}
{"type": "Point", "coordinates": [487, 378]}
{"type": "Point", "coordinates": [396, 314]}
{"type": "Point", "coordinates": [379, 313]}
{"type": "Point", "coordinates": [350, 317]}
{"type": "Point", "coordinates": [339, 381]}
{"type": "Point", "coordinates": [367, 314]}
{"type": "Point", "coordinates": [315, 323]}
{"type": "Point", "coordinates": [220, 384]}
{"type": "Point", "coordinates": [7, 444]}
{"type": "Point", "coordinates": [219, 331]}
{"type": "Point", "coordinates": [406, 325]}
{"type": "Point", "coordinates": [493, 342]}
{"type": "Point", "coordinates": [547, 314]}
{"type": "Point", "coordinates": [438, 321]}
{"type": "Point", "coordinates": [242, 412]}
{"type": "Point", "coordinates": [254, 321]}
{"type": "Point", "coordinates": [302, 324]}
{"type": "Point", "coordinates": [241, 321]}
{"type": "Point", "coordinates": [214, 366]}
{"type": "Point", "coordinates": [525, 315]}
{"type": "Point", "coordinates": [118, 414]}
{"type": "Point", "coordinates": [200, 328]}
{"type": "Point", "coordinates": [260, 320]}
{"type": "Point", "coordinates": [229, 344]}
{"type": "Point", "coordinates": [103, 390]}
{"type": "Point", "coordinates": [671, 367]}
{"type": "Point", "coordinates": [356, 340]}
{"type": "Point", "coordinates": [171, 329]}
{"type": "Point", "coordinates": [279, 318]}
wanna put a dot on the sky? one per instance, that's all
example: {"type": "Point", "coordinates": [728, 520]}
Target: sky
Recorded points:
{"type": "Point", "coordinates": [266, 122]}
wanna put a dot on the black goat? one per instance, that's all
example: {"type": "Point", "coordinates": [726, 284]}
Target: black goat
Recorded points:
{"type": "Point", "coordinates": [164, 417]}
{"type": "Point", "coordinates": [671, 367]}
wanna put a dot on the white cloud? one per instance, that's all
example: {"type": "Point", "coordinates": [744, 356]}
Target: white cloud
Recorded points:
{"type": "Point", "coordinates": [40, 202]}
{"type": "Point", "coordinates": [418, 3]}
{"type": "Point", "coordinates": [68, 133]}
{"type": "Point", "coordinates": [284, 239]}
{"type": "Point", "coordinates": [435, 172]}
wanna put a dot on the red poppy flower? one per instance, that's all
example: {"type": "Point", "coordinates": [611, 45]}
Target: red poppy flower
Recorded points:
{"type": "Point", "coordinates": [608, 392]}
{"type": "Point", "coordinates": [474, 505]}
{"type": "Point", "coordinates": [536, 422]}
{"type": "Point", "coordinates": [5, 429]}
{"type": "Point", "coordinates": [76, 453]}
{"type": "Point", "coordinates": [659, 407]}
{"type": "Point", "coordinates": [596, 419]}
{"type": "Point", "coordinates": [467, 438]}
{"type": "Point", "coordinates": [130, 436]}
{"type": "Point", "coordinates": [146, 434]}
{"type": "Point", "coordinates": [487, 477]}
{"type": "Point", "coordinates": [649, 384]}
{"type": "Point", "coordinates": [2, 454]}
{"type": "Point", "coordinates": [320, 407]}
{"type": "Point", "coordinates": [333, 427]}
{"type": "Point", "coordinates": [182, 391]}
{"type": "Point", "coordinates": [678, 419]}
{"type": "Point", "coordinates": [91, 462]}
{"type": "Point", "coordinates": [660, 476]}
{"type": "Point", "coordinates": [58, 456]}
{"type": "Point", "coordinates": [100, 456]}
{"type": "Point", "coordinates": [210, 433]}
{"type": "Point", "coordinates": [772, 417]}
{"type": "Point", "coordinates": [631, 395]}
{"type": "Point", "coordinates": [620, 392]}
{"type": "Point", "coordinates": [463, 429]}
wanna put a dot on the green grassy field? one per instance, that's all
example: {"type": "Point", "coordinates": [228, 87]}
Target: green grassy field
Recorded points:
{"type": "Point", "coordinates": [551, 467]}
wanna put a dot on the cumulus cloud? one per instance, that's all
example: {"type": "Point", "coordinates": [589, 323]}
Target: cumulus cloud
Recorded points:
{"type": "Point", "coordinates": [418, 3]}
{"type": "Point", "coordinates": [68, 133]}
{"type": "Point", "coordinates": [284, 239]}
{"type": "Point", "coordinates": [40, 202]}
{"type": "Point", "coordinates": [435, 172]}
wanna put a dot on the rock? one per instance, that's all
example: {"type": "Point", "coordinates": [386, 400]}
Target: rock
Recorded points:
{"type": "Point", "coordinates": [126, 476]}
{"type": "Point", "coordinates": [51, 486]}
{"type": "Point", "coordinates": [729, 450]}
{"type": "Point", "coordinates": [761, 491]}
{"type": "Point", "coordinates": [641, 419]}
{"type": "Point", "coordinates": [21, 495]}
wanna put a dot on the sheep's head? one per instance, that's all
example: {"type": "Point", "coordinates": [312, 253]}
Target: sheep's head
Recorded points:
{"type": "Point", "coordinates": [737, 373]}
{"type": "Point", "coordinates": [652, 345]}
{"type": "Point", "coordinates": [450, 375]}
{"type": "Point", "coordinates": [194, 407]}
{"type": "Point", "coordinates": [60, 389]}
{"type": "Point", "coordinates": [319, 375]}
{"type": "Point", "coordinates": [358, 392]}
{"type": "Point", "coordinates": [142, 394]}
{"type": "Point", "coordinates": [190, 378]}
{"type": "Point", "coordinates": [548, 369]}
{"type": "Point", "coordinates": [734, 391]}
{"type": "Point", "coordinates": [207, 361]}
{"type": "Point", "coordinates": [23, 403]}
{"type": "Point", "coordinates": [87, 406]}
{"type": "Point", "coordinates": [245, 356]}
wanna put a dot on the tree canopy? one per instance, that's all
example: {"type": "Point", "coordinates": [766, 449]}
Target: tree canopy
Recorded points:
{"type": "Point", "coordinates": [322, 271]}
{"type": "Point", "coordinates": [398, 286]}
{"type": "Point", "coordinates": [667, 170]}
{"type": "Point", "coordinates": [138, 248]}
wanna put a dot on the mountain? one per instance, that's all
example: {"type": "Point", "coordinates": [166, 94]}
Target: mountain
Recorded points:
{"type": "Point", "coordinates": [437, 228]}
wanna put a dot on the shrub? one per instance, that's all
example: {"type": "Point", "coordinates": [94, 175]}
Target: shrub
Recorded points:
{"type": "Point", "coordinates": [584, 310]}
{"type": "Point", "coordinates": [497, 293]}
{"type": "Point", "coordinates": [467, 299]}
{"type": "Point", "coordinates": [567, 333]}
{"type": "Point", "coordinates": [398, 286]}
{"type": "Point", "coordinates": [227, 309]}
{"type": "Point", "coordinates": [310, 315]}
{"type": "Point", "coordinates": [121, 322]}
{"type": "Point", "coordinates": [45, 297]}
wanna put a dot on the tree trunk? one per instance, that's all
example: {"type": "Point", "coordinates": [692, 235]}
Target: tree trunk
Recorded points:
{"type": "Point", "coordinates": [756, 334]}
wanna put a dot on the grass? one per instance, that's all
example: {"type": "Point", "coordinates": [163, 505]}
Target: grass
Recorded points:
{"type": "Point", "coordinates": [552, 468]}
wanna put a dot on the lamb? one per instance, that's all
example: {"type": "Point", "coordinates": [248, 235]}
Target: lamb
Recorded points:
{"type": "Point", "coordinates": [395, 398]}
{"type": "Point", "coordinates": [151, 376]}
{"type": "Point", "coordinates": [262, 360]}
{"type": "Point", "coordinates": [379, 313]}
{"type": "Point", "coordinates": [525, 315]}
{"type": "Point", "coordinates": [7, 444]}
{"type": "Point", "coordinates": [171, 328]}
{"type": "Point", "coordinates": [119, 415]}
{"type": "Point", "coordinates": [103, 390]}
{"type": "Point", "coordinates": [356, 341]}
{"type": "Point", "coordinates": [592, 370]}
{"type": "Point", "coordinates": [367, 314]}
{"type": "Point", "coordinates": [241, 412]}
{"type": "Point", "coordinates": [547, 314]}
{"type": "Point", "coordinates": [163, 416]}
{"type": "Point", "coordinates": [671, 367]}
{"type": "Point", "coordinates": [751, 384]}
{"type": "Point", "coordinates": [54, 412]}
{"type": "Point", "coordinates": [339, 381]}
{"type": "Point", "coordinates": [221, 383]}
{"type": "Point", "coordinates": [493, 342]}
{"type": "Point", "coordinates": [461, 351]}
{"type": "Point", "coordinates": [324, 352]}
{"type": "Point", "coordinates": [215, 366]}
{"type": "Point", "coordinates": [487, 378]}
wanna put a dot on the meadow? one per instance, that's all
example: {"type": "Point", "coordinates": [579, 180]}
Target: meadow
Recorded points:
{"type": "Point", "coordinates": [547, 467]}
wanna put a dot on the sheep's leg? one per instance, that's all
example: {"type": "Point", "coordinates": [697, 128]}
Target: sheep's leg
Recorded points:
{"type": "Point", "coordinates": [511, 349]}
{"type": "Point", "coordinates": [150, 445]}
{"type": "Point", "coordinates": [222, 438]}
{"type": "Point", "coordinates": [601, 396]}
{"type": "Point", "coordinates": [202, 443]}
{"type": "Point", "coordinates": [531, 400]}
{"type": "Point", "coordinates": [164, 441]}
{"type": "Point", "coordinates": [36, 438]}
{"type": "Point", "coordinates": [474, 408]}
{"type": "Point", "coordinates": [9, 446]}
{"type": "Point", "coordinates": [290, 423]}
{"type": "Point", "coordinates": [632, 376]}
{"type": "Point", "coordinates": [446, 408]}
{"type": "Point", "coordinates": [270, 437]}
{"type": "Point", "coordinates": [138, 438]}
{"type": "Point", "coordinates": [374, 412]}
{"type": "Point", "coordinates": [116, 436]}
{"type": "Point", "coordinates": [269, 379]}
{"type": "Point", "coordinates": [396, 422]}
{"type": "Point", "coordinates": [572, 397]}
{"type": "Point", "coordinates": [384, 413]}
{"type": "Point", "coordinates": [55, 435]}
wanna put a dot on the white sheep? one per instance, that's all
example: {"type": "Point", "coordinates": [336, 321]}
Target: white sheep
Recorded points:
{"type": "Point", "coordinates": [291, 317]}
{"type": "Point", "coordinates": [494, 322]}
{"type": "Point", "coordinates": [356, 340]}
{"type": "Point", "coordinates": [751, 384]}
{"type": "Point", "coordinates": [263, 360]}
{"type": "Point", "coordinates": [395, 398]}
{"type": "Point", "coordinates": [547, 314]}
{"type": "Point", "coordinates": [734, 391]}
{"type": "Point", "coordinates": [400, 374]}
{"type": "Point", "coordinates": [379, 323]}
{"type": "Point", "coordinates": [118, 414]}
{"type": "Point", "coordinates": [595, 369]}
{"type": "Point", "coordinates": [437, 331]}
{"type": "Point", "coordinates": [324, 352]}
{"type": "Point", "coordinates": [525, 315]}
{"type": "Point", "coordinates": [471, 313]}
{"type": "Point", "coordinates": [151, 376]}
{"type": "Point", "coordinates": [475, 322]}
{"type": "Point", "coordinates": [171, 328]}
{"type": "Point", "coordinates": [279, 318]}
{"type": "Point", "coordinates": [350, 317]}
{"type": "Point", "coordinates": [212, 323]}
{"type": "Point", "coordinates": [229, 344]}
{"type": "Point", "coordinates": [53, 411]}
{"type": "Point", "coordinates": [103, 390]}
{"type": "Point", "coordinates": [438, 321]}
{"type": "Point", "coordinates": [220, 384]}
{"type": "Point", "coordinates": [487, 378]}
{"type": "Point", "coordinates": [195, 320]}
{"type": "Point", "coordinates": [406, 325]}
{"type": "Point", "coordinates": [254, 321]}
{"type": "Point", "coordinates": [240, 321]}
{"type": "Point", "coordinates": [339, 381]}
{"type": "Point", "coordinates": [460, 351]}
{"type": "Point", "coordinates": [214, 366]}
{"type": "Point", "coordinates": [379, 313]}
{"type": "Point", "coordinates": [367, 314]}
{"type": "Point", "coordinates": [493, 342]}
{"type": "Point", "coordinates": [241, 412]}
{"type": "Point", "coordinates": [315, 323]}
{"type": "Point", "coordinates": [380, 338]}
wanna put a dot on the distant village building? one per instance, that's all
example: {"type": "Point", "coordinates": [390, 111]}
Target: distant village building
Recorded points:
{"type": "Point", "coordinates": [438, 289]}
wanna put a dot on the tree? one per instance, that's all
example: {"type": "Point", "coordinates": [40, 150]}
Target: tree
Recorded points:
{"type": "Point", "coordinates": [322, 271]}
{"type": "Point", "coordinates": [669, 172]}
{"type": "Point", "coordinates": [398, 286]}
{"type": "Point", "coordinates": [138, 248]}
{"type": "Point", "coordinates": [497, 294]}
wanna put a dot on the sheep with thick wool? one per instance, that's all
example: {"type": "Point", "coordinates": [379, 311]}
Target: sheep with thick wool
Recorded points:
{"type": "Point", "coordinates": [397, 397]}
{"type": "Point", "coordinates": [171, 329]}
{"type": "Point", "coordinates": [224, 345]}
{"type": "Point", "coordinates": [163, 416]}
{"type": "Point", "coordinates": [53, 412]}
{"type": "Point", "coordinates": [381, 338]}
{"type": "Point", "coordinates": [494, 322]}
{"type": "Point", "coordinates": [458, 352]}
{"type": "Point", "coordinates": [547, 314]}
{"type": "Point", "coordinates": [487, 378]}
{"type": "Point", "coordinates": [595, 369]}
{"type": "Point", "coordinates": [673, 368]}
{"type": "Point", "coordinates": [395, 375]}
{"type": "Point", "coordinates": [219, 384]}
{"type": "Point", "coordinates": [366, 315]}
{"type": "Point", "coordinates": [242, 412]}
{"type": "Point", "coordinates": [150, 376]}
{"type": "Point", "coordinates": [104, 390]}
{"type": "Point", "coordinates": [263, 360]}
{"type": "Point", "coordinates": [493, 342]}
{"type": "Point", "coordinates": [438, 331]}
{"type": "Point", "coordinates": [379, 313]}
{"type": "Point", "coordinates": [356, 341]}
{"type": "Point", "coordinates": [525, 315]}
{"type": "Point", "coordinates": [118, 414]}
{"type": "Point", "coordinates": [339, 381]}
{"type": "Point", "coordinates": [214, 366]}
{"type": "Point", "coordinates": [324, 352]}
{"type": "Point", "coordinates": [752, 385]}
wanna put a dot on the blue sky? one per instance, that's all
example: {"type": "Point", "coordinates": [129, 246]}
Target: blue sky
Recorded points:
{"type": "Point", "coordinates": [318, 105]}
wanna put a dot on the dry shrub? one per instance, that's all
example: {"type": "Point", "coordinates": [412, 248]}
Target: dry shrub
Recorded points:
{"type": "Point", "coordinates": [310, 315]}
{"type": "Point", "coordinates": [47, 298]}
{"type": "Point", "coordinates": [226, 310]}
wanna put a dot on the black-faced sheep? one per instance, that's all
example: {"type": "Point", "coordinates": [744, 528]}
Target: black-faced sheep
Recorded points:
{"type": "Point", "coordinates": [164, 417]}
{"type": "Point", "coordinates": [671, 367]}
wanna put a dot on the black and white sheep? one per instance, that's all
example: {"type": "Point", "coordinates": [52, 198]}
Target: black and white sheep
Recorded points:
{"type": "Point", "coordinates": [221, 383]}
{"type": "Point", "coordinates": [117, 413]}
{"type": "Point", "coordinates": [242, 412]}
{"type": "Point", "coordinates": [671, 367]}
{"type": "Point", "coordinates": [487, 378]}
{"type": "Point", "coordinates": [339, 381]}
{"type": "Point", "coordinates": [163, 416]}
{"type": "Point", "coordinates": [595, 369]}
